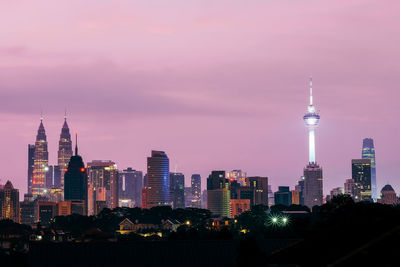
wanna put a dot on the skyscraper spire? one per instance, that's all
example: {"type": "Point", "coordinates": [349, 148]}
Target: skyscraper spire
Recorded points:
{"type": "Point", "coordinates": [65, 151]}
{"type": "Point", "coordinates": [311, 120]}
{"type": "Point", "coordinates": [76, 144]}
{"type": "Point", "coordinates": [311, 98]}
{"type": "Point", "coordinates": [65, 114]}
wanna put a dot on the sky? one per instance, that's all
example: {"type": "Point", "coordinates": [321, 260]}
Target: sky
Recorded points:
{"type": "Point", "coordinates": [218, 85]}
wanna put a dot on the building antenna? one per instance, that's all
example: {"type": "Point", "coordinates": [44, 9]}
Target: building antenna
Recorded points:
{"type": "Point", "coordinates": [76, 143]}
{"type": "Point", "coordinates": [176, 167]}
{"type": "Point", "coordinates": [65, 113]}
{"type": "Point", "coordinates": [41, 115]}
{"type": "Point", "coordinates": [311, 97]}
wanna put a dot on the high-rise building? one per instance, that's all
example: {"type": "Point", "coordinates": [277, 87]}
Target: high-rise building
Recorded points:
{"type": "Point", "coordinates": [76, 182]}
{"type": "Point", "coordinates": [283, 196]}
{"type": "Point", "coordinates": [177, 190]}
{"type": "Point", "coordinates": [361, 174]}
{"type": "Point", "coordinates": [103, 184]}
{"type": "Point", "coordinates": [158, 179]}
{"type": "Point", "coordinates": [368, 152]}
{"type": "Point", "coordinates": [238, 206]}
{"type": "Point", "coordinates": [271, 199]}
{"type": "Point", "coordinates": [237, 175]}
{"type": "Point", "coordinates": [352, 189]}
{"type": "Point", "coordinates": [335, 192]}
{"type": "Point", "coordinates": [218, 194]}
{"type": "Point", "coordinates": [27, 210]}
{"type": "Point", "coordinates": [388, 196]}
{"type": "Point", "coordinates": [46, 211]}
{"type": "Point", "coordinates": [196, 191]}
{"type": "Point", "coordinates": [130, 186]}
{"type": "Point", "coordinates": [41, 162]}
{"type": "Point", "coordinates": [295, 197]}
{"type": "Point", "coordinates": [300, 188]}
{"type": "Point", "coordinates": [64, 149]}
{"type": "Point", "coordinates": [260, 186]}
{"type": "Point", "coordinates": [31, 165]}
{"type": "Point", "coordinates": [9, 203]}
{"type": "Point", "coordinates": [312, 193]}
{"type": "Point", "coordinates": [188, 197]}
{"type": "Point", "coordinates": [53, 177]}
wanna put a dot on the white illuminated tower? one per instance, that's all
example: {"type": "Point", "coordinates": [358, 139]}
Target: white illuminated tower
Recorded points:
{"type": "Point", "coordinates": [311, 119]}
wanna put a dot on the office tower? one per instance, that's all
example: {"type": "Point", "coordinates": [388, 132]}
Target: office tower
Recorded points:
{"type": "Point", "coordinates": [188, 197]}
{"type": "Point", "coordinates": [237, 175]}
{"type": "Point", "coordinates": [312, 193]}
{"type": "Point", "coordinates": [46, 211]}
{"type": "Point", "coordinates": [158, 179]}
{"type": "Point", "coordinates": [361, 174]}
{"type": "Point", "coordinates": [283, 196]}
{"type": "Point", "coordinates": [295, 197]}
{"type": "Point", "coordinates": [41, 161]}
{"type": "Point", "coordinates": [53, 177]}
{"type": "Point", "coordinates": [145, 180]}
{"type": "Point", "coordinates": [54, 194]}
{"type": "Point", "coordinates": [218, 194]}
{"type": "Point", "coordinates": [271, 199]}
{"type": "Point", "coordinates": [145, 200]}
{"type": "Point", "coordinates": [64, 149]}
{"type": "Point", "coordinates": [300, 187]}
{"type": "Point", "coordinates": [130, 184]}
{"type": "Point", "coordinates": [204, 199]}
{"type": "Point", "coordinates": [352, 189]}
{"type": "Point", "coordinates": [368, 152]}
{"type": "Point", "coordinates": [388, 196]}
{"type": "Point", "coordinates": [76, 181]}
{"type": "Point", "coordinates": [31, 165]}
{"type": "Point", "coordinates": [9, 202]}
{"type": "Point", "coordinates": [335, 192]}
{"type": "Point", "coordinates": [260, 186]}
{"type": "Point", "coordinates": [238, 206]}
{"type": "Point", "coordinates": [103, 184]}
{"type": "Point", "coordinates": [27, 210]}
{"type": "Point", "coordinates": [177, 190]}
{"type": "Point", "coordinates": [195, 191]}
{"type": "Point", "coordinates": [64, 208]}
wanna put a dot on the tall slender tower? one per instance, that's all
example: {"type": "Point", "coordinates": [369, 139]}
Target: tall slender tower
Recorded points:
{"type": "Point", "coordinates": [158, 179]}
{"type": "Point", "coordinates": [312, 194]}
{"type": "Point", "coordinates": [311, 119]}
{"type": "Point", "coordinates": [40, 162]}
{"type": "Point", "coordinates": [368, 152]}
{"type": "Point", "coordinates": [64, 149]}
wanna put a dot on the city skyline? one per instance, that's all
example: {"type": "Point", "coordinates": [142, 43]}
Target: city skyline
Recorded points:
{"type": "Point", "coordinates": [242, 105]}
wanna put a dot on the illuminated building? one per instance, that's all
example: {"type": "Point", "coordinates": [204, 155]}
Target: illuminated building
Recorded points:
{"type": "Point", "coordinates": [312, 189]}
{"type": "Point", "coordinates": [295, 197]}
{"type": "Point", "coordinates": [388, 196]}
{"type": "Point", "coordinates": [76, 182]}
{"type": "Point", "coordinates": [195, 182]}
{"type": "Point", "coordinates": [53, 177]}
{"type": "Point", "coordinates": [238, 206]}
{"type": "Point", "coordinates": [130, 187]}
{"type": "Point", "coordinates": [41, 162]}
{"type": "Point", "coordinates": [64, 208]}
{"type": "Point", "coordinates": [361, 174]}
{"type": "Point", "coordinates": [158, 179]}
{"type": "Point", "coordinates": [177, 190]}
{"type": "Point", "coordinates": [237, 175]}
{"type": "Point", "coordinates": [300, 188]}
{"type": "Point", "coordinates": [103, 181]}
{"type": "Point", "coordinates": [64, 150]}
{"type": "Point", "coordinates": [283, 196]}
{"type": "Point", "coordinates": [9, 202]}
{"type": "Point", "coordinates": [368, 152]}
{"type": "Point", "coordinates": [31, 165]}
{"type": "Point", "coordinates": [352, 189]}
{"type": "Point", "coordinates": [46, 211]}
{"type": "Point", "coordinates": [145, 200]}
{"type": "Point", "coordinates": [218, 194]}
{"type": "Point", "coordinates": [271, 200]}
{"type": "Point", "coordinates": [188, 197]}
{"type": "Point", "coordinates": [260, 186]}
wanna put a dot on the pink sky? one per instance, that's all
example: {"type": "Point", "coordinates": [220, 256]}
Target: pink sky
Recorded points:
{"type": "Point", "coordinates": [216, 84]}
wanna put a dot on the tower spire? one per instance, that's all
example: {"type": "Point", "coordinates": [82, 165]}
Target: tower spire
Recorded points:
{"type": "Point", "coordinates": [65, 114]}
{"type": "Point", "coordinates": [41, 115]}
{"type": "Point", "coordinates": [76, 144]}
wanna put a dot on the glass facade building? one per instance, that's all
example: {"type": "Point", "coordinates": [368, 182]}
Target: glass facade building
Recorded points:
{"type": "Point", "coordinates": [368, 152]}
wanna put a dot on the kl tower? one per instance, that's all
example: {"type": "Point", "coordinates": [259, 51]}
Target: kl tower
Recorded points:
{"type": "Point", "coordinates": [312, 190]}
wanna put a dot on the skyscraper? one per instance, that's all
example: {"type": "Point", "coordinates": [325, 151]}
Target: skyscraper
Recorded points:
{"type": "Point", "coordinates": [177, 190]}
{"type": "Point", "coordinates": [361, 174]}
{"type": "Point", "coordinates": [64, 149]}
{"type": "Point", "coordinates": [103, 184]}
{"type": "Point", "coordinates": [352, 189]}
{"type": "Point", "coordinates": [31, 165]}
{"type": "Point", "coordinates": [41, 161]}
{"type": "Point", "coordinates": [237, 175]}
{"type": "Point", "coordinates": [260, 186]}
{"type": "Point", "coordinates": [283, 196]}
{"type": "Point", "coordinates": [312, 194]}
{"type": "Point", "coordinates": [196, 190]}
{"type": "Point", "coordinates": [53, 177]}
{"type": "Point", "coordinates": [368, 152]}
{"type": "Point", "coordinates": [9, 202]}
{"type": "Point", "coordinates": [130, 186]}
{"type": "Point", "coordinates": [218, 194]}
{"type": "Point", "coordinates": [76, 182]}
{"type": "Point", "coordinates": [158, 179]}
